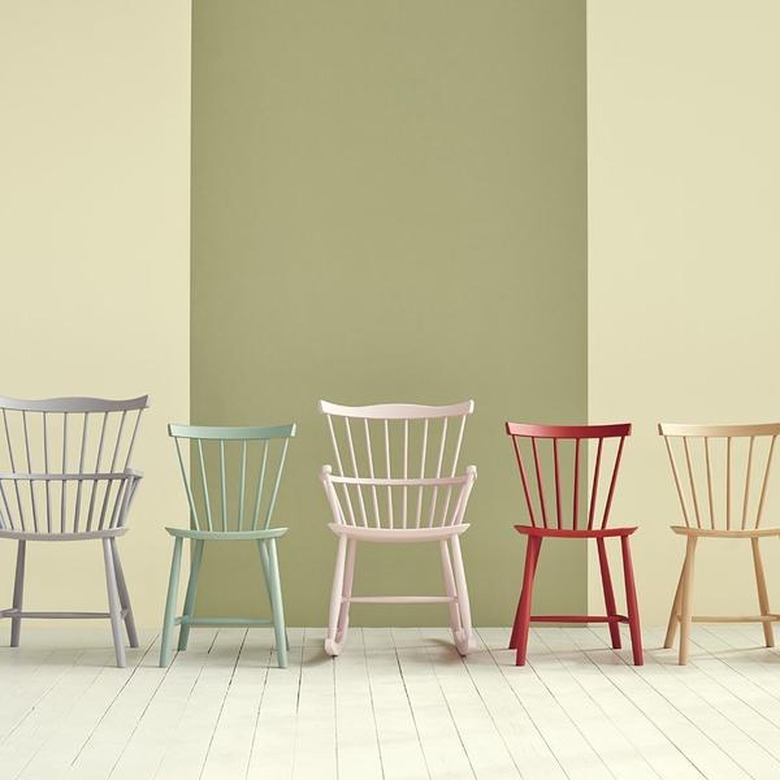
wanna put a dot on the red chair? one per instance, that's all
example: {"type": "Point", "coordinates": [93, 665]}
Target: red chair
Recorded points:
{"type": "Point", "coordinates": [550, 517]}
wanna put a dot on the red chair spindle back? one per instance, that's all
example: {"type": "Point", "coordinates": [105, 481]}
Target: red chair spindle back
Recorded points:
{"type": "Point", "coordinates": [537, 435]}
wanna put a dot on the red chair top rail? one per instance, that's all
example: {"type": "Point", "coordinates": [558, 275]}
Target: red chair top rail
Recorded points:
{"type": "Point", "coordinates": [568, 431]}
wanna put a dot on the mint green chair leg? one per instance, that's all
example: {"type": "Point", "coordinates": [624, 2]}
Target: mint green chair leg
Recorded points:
{"type": "Point", "coordinates": [192, 590]}
{"type": "Point", "coordinates": [268, 581]}
{"type": "Point", "coordinates": [170, 603]}
{"type": "Point", "coordinates": [271, 566]}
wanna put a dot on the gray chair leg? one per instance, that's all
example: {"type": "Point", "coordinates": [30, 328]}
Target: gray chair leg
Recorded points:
{"type": "Point", "coordinates": [114, 607]}
{"type": "Point", "coordinates": [124, 597]}
{"type": "Point", "coordinates": [16, 622]}
{"type": "Point", "coordinates": [192, 590]}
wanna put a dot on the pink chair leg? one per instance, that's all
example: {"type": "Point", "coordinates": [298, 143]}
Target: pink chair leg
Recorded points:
{"type": "Point", "coordinates": [346, 591]}
{"type": "Point", "coordinates": [332, 647]}
{"type": "Point", "coordinates": [519, 640]}
{"type": "Point", "coordinates": [609, 593]}
{"type": "Point", "coordinates": [631, 603]}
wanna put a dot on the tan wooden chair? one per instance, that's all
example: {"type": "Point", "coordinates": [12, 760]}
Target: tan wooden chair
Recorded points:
{"type": "Point", "coordinates": [722, 492]}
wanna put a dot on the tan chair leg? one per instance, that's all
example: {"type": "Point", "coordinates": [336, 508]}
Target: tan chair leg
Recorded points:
{"type": "Point", "coordinates": [687, 591]}
{"type": "Point", "coordinates": [763, 596]}
{"type": "Point", "coordinates": [674, 615]}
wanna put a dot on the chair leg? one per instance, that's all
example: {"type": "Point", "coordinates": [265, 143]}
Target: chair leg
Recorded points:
{"type": "Point", "coordinates": [516, 623]}
{"type": "Point", "coordinates": [277, 608]}
{"type": "Point", "coordinates": [685, 605]}
{"type": "Point", "coordinates": [674, 615]}
{"type": "Point", "coordinates": [449, 587]}
{"type": "Point", "coordinates": [170, 603]}
{"type": "Point", "coordinates": [124, 597]}
{"type": "Point", "coordinates": [346, 592]}
{"type": "Point", "coordinates": [192, 591]}
{"type": "Point", "coordinates": [337, 590]}
{"type": "Point", "coordinates": [16, 622]}
{"type": "Point", "coordinates": [114, 606]}
{"type": "Point", "coordinates": [523, 615]}
{"type": "Point", "coordinates": [632, 606]}
{"type": "Point", "coordinates": [464, 642]}
{"type": "Point", "coordinates": [265, 560]}
{"type": "Point", "coordinates": [763, 595]}
{"type": "Point", "coordinates": [609, 593]}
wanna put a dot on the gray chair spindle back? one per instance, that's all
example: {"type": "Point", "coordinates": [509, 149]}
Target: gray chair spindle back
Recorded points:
{"type": "Point", "coordinates": [233, 482]}
{"type": "Point", "coordinates": [65, 465]}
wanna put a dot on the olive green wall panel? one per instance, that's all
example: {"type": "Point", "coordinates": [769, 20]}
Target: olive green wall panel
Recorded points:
{"type": "Point", "coordinates": [389, 204]}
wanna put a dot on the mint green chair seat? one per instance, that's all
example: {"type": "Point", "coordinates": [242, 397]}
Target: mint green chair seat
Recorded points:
{"type": "Point", "coordinates": [232, 492]}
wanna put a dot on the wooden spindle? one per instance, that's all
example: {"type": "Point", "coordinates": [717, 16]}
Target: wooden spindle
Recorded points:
{"type": "Point", "coordinates": [728, 483]}
{"type": "Point", "coordinates": [764, 482]}
{"type": "Point", "coordinates": [374, 495]}
{"type": "Point", "coordinates": [356, 473]}
{"type": "Point", "coordinates": [594, 490]}
{"type": "Point", "coordinates": [242, 487]}
{"type": "Point", "coordinates": [613, 482]}
{"type": "Point", "coordinates": [539, 481]}
{"type": "Point", "coordinates": [576, 496]}
{"type": "Point", "coordinates": [423, 458]}
{"type": "Point", "coordinates": [13, 469]}
{"type": "Point", "coordinates": [389, 474]}
{"type": "Point", "coordinates": [277, 482]}
{"type": "Point", "coordinates": [187, 487]}
{"type": "Point", "coordinates": [524, 480]}
{"type": "Point", "coordinates": [709, 481]}
{"type": "Point", "coordinates": [557, 470]}
{"type": "Point", "coordinates": [204, 484]}
{"type": "Point", "coordinates": [746, 494]}
{"type": "Point", "coordinates": [677, 483]}
{"type": "Point", "coordinates": [692, 481]}
{"type": "Point", "coordinates": [260, 486]}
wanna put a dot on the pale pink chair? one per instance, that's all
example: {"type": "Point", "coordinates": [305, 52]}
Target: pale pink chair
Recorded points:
{"type": "Point", "coordinates": [396, 480]}
{"type": "Point", "coordinates": [722, 486]}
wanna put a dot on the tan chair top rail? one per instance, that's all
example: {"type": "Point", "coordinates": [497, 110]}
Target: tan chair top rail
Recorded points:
{"type": "Point", "coordinates": [684, 429]}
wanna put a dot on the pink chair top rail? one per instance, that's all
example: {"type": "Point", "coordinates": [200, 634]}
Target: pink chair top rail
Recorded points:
{"type": "Point", "coordinates": [397, 411]}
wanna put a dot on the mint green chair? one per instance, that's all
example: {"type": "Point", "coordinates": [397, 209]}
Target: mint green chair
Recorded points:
{"type": "Point", "coordinates": [232, 492]}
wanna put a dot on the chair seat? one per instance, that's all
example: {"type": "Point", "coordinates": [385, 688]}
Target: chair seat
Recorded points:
{"type": "Point", "coordinates": [748, 533]}
{"type": "Point", "coordinates": [191, 533]}
{"type": "Point", "coordinates": [106, 533]}
{"type": "Point", "coordinates": [398, 534]}
{"type": "Point", "coordinates": [596, 533]}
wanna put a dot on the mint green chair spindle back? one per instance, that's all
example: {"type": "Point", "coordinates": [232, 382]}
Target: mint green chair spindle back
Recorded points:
{"type": "Point", "coordinates": [236, 472]}
{"type": "Point", "coordinates": [232, 487]}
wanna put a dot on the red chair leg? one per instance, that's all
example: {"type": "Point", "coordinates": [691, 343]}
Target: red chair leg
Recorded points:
{"type": "Point", "coordinates": [609, 593]}
{"type": "Point", "coordinates": [522, 624]}
{"type": "Point", "coordinates": [631, 602]}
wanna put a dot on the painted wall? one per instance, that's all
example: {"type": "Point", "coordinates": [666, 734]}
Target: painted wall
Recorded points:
{"type": "Point", "coordinates": [94, 241]}
{"type": "Point", "coordinates": [683, 122]}
{"type": "Point", "coordinates": [389, 204]}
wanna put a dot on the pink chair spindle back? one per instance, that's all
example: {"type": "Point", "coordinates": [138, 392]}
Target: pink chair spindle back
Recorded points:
{"type": "Point", "coordinates": [392, 461]}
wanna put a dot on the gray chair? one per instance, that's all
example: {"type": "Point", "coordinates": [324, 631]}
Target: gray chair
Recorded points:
{"type": "Point", "coordinates": [65, 476]}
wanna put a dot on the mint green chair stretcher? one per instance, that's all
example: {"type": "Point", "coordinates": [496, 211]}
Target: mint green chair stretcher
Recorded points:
{"type": "Point", "coordinates": [231, 491]}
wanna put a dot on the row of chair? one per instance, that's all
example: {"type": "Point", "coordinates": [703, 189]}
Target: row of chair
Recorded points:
{"type": "Point", "coordinates": [395, 478]}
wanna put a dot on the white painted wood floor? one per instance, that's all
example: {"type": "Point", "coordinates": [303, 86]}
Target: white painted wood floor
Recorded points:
{"type": "Point", "coordinates": [398, 703]}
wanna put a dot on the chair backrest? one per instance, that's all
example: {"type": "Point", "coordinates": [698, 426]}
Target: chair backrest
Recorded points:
{"type": "Point", "coordinates": [236, 471]}
{"type": "Point", "coordinates": [571, 499]}
{"type": "Point", "coordinates": [392, 462]}
{"type": "Point", "coordinates": [65, 466]}
{"type": "Point", "coordinates": [724, 483]}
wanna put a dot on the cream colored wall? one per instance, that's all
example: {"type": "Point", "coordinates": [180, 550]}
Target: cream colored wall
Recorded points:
{"type": "Point", "coordinates": [684, 254]}
{"type": "Point", "coordinates": [94, 250]}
